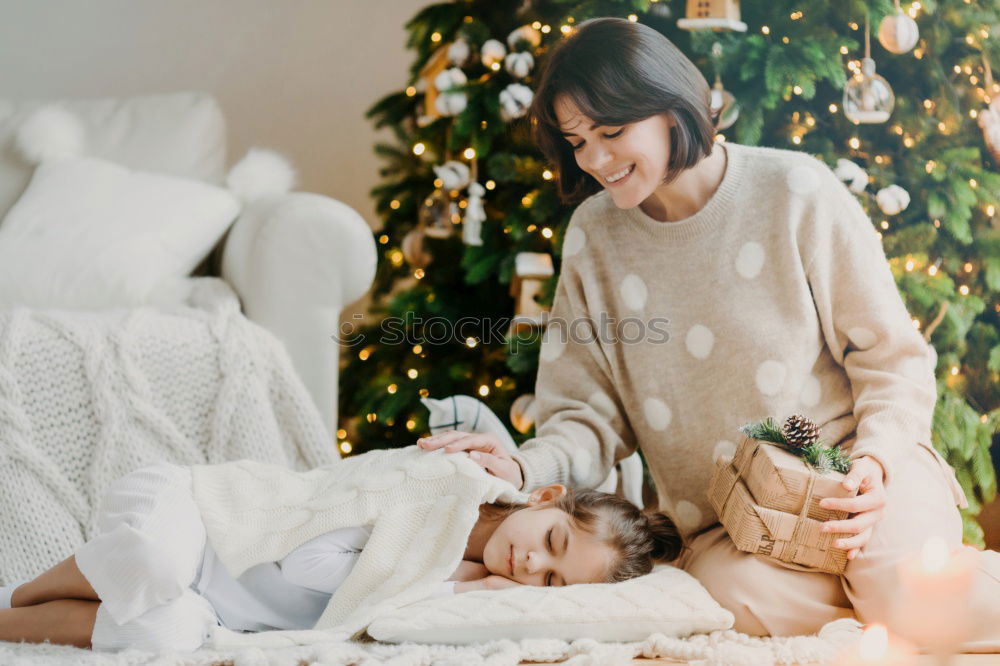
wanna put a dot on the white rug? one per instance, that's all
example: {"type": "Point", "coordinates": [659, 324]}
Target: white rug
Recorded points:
{"type": "Point", "coordinates": [720, 648]}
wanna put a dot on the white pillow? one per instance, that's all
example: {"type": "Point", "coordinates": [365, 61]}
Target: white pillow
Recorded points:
{"type": "Point", "coordinates": [88, 233]}
{"type": "Point", "coordinates": [667, 601]}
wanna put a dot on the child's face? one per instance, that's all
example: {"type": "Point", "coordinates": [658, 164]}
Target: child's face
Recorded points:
{"type": "Point", "coordinates": [540, 546]}
{"type": "Point", "coordinates": [639, 150]}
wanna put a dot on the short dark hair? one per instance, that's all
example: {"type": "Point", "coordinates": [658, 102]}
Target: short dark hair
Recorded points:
{"type": "Point", "coordinates": [619, 72]}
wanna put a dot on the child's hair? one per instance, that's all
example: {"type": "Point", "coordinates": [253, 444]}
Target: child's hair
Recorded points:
{"type": "Point", "coordinates": [639, 539]}
{"type": "Point", "coordinates": [619, 72]}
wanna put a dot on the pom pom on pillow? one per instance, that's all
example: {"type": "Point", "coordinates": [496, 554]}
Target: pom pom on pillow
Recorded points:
{"type": "Point", "coordinates": [261, 173]}
{"type": "Point", "coordinates": [50, 133]}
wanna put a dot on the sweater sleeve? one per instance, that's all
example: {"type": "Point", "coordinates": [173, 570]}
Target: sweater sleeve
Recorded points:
{"type": "Point", "coordinates": [869, 332]}
{"type": "Point", "coordinates": [582, 431]}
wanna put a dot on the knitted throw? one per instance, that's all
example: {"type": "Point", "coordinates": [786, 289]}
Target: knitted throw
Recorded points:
{"type": "Point", "coordinates": [421, 505]}
{"type": "Point", "coordinates": [86, 397]}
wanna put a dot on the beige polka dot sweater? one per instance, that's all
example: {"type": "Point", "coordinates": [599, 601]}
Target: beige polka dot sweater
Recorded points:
{"type": "Point", "coordinates": [775, 298]}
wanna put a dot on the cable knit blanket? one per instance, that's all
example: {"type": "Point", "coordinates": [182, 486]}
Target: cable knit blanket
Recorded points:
{"type": "Point", "coordinates": [86, 397]}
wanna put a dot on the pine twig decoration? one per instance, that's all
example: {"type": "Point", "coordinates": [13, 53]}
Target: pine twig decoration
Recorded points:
{"type": "Point", "coordinates": [799, 436]}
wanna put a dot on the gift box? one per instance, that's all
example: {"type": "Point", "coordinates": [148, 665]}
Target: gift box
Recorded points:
{"type": "Point", "coordinates": [768, 500]}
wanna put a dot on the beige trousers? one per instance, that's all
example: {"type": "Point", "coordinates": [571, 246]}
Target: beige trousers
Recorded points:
{"type": "Point", "coordinates": [770, 598]}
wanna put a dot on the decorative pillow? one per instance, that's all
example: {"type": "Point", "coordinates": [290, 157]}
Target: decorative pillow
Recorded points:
{"type": "Point", "coordinates": [88, 233]}
{"type": "Point", "coordinates": [91, 234]}
{"type": "Point", "coordinates": [667, 601]}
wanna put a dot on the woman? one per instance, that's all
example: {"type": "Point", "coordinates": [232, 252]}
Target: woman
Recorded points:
{"type": "Point", "coordinates": [779, 301]}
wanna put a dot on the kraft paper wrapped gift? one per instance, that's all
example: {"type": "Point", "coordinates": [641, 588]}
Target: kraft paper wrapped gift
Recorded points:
{"type": "Point", "coordinates": [768, 500]}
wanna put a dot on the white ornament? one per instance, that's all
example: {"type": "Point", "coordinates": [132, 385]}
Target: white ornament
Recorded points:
{"type": "Point", "coordinates": [458, 51]}
{"type": "Point", "coordinates": [898, 33]}
{"type": "Point", "coordinates": [475, 215]}
{"type": "Point", "coordinates": [893, 199]}
{"type": "Point", "coordinates": [525, 33]}
{"type": "Point", "coordinates": [515, 100]}
{"type": "Point", "coordinates": [451, 104]}
{"type": "Point", "coordinates": [492, 52]}
{"type": "Point", "coordinates": [450, 78]}
{"type": "Point", "coordinates": [854, 175]}
{"type": "Point", "coordinates": [519, 64]}
{"type": "Point", "coordinates": [454, 175]}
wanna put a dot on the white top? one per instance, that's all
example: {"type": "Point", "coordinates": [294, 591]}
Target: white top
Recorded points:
{"type": "Point", "coordinates": [291, 593]}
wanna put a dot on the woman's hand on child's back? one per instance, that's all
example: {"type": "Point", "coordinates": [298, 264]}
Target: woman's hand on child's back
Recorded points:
{"type": "Point", "coordinates": [483, 447]}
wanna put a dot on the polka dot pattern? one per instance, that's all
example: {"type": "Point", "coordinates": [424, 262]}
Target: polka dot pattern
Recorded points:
{"type": "Point", "coordinates": [657, 414]}
{"type": "Point", "coordinates": [770, 377]}
{"type": "Point", "coordinates": [699, 341]}
{"type": "Point", "coordinates": [802, 180]}
{"type": "Point", "coordinates": [574, 242]}
{"type": "Point", "coordinates": [750, 260]}
{"type": "Point", "coordinates": [723, 449]}
{"type": "Point", "coordinates": [633, 291]}
{"type": "Point", "coordinates": [811, 392]}
{"type": "Point", "coordinates": [862, 338]}
{"type": "Point", "coordinates": [688, 516]}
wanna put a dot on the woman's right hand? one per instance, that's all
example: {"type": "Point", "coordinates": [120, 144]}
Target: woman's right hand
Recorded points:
{"type": "Point", "coordinates": [483, 447]}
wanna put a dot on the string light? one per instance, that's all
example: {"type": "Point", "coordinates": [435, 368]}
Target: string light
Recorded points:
{"type": "Point", "coordinates": [547, 175]}
{"type": "Point", "coordinates": [498, 383]}
{"type": "Point", "coordinates": [423, 393]}
{"type": "Point", "coordinates": [766, 30]}
{"type": "Point", "coordinates": [536, 25]}
{"type": "Point", "coordinates": [396, 257]}
{"type": "Point", "coordinates": [547, 232]}
{"type": "Point", "coordinates": [371, 417]}
{"type": "Point", "coordinates": [490, 184]}
{"type": "Point", "coordinates": [937, 224]}
{"type": "Point", "coordinates": [932, 270]}
{"type": "Point", "coordinates": [345, 447]}
{"type": "Point", "coordinates": [916, 324]}
{"type": "Point", "coordinates": [419, 274]}
{"type": "Point", "coordinates": [928, 104]}
{"type": "Point", "coordinates": [973, 183]}
{"type": "Point", "coordinates": [546, 29]}
{"type": "Point", "coordinates": [954, 370]}
{"type": "Point", "coordinates": [958, 69]}
{"type": "Point", "coordinates": [797, 90]}
{"type": "Point", "coordinates": [394, 204]}
{"type": "Point", "coordinates": [411, 424]}
{"type": "Point", "coordinates": [436, 37]}
{"type": "Point", "coordinates": [383, 239]}
{"type": "Point", "coordinates": [990, 210]}
{"type": "Point", "coordinates": [484, 390]}
{"type": "Point", "coordinates": [908, 141]}
{"type": "Point", "coordinates": [854, 142]}
{"type": "Point", "coordinates": [364, 354]}
{"type": "Point", "coordinates": [968, 267]}
{"type": "Point", "coordinates": [784, 40]}
{"type": "Point", "coordinates": [532, 227]}
{"type": "Point", "coordinates": [843, 50]}
{"type": "Point", "coordinates": [909, 264]}
{"type": "Point", "coordinates": [412, 373]}
{"type": "Point", "coordinates": [929, 167]}
{"type": "Point", "coordinates": [964, 290]}
{"type": "Point", "coordinates": [419, 148]}
{"type": "Point", "coordinates": [471, 343]}
{"type": "Point", "coordinates": [633, 18]}
{"type": "Point", "coordinates": [341, 433]}
{"type": "Point", "coordinates": [833, 108]}
{"type": "Point", "coordinates": [796, 15]}
{"type": "Point", "coordinates": [526, 201]}
{"type": "Point", "coordinates": [565, 29]}
{"type": "Point", "coordinates": [495, 66]}
{"type": "Point", "coordinates": [391, 389]}
{"type": "Point", "coordinates": [853, 25]}
{"type": "Point", "coordinates": [418, 349]}
{"type": "Point", "coordinates": [885, 224]}
{"type": "Point", "coordinates": [973, 113]}
{"type": "Point", "coordinates": [720, 138]}
{"type": "Point", "coordinates": [411, 91]}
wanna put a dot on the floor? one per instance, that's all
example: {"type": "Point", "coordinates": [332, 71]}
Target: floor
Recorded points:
{"type": "Point", "coordinates": [959, 660]}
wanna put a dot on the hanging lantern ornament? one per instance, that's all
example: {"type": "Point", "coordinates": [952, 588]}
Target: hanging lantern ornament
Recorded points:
{"type": "Point", "coordinates": [713, 15]}
{"type": "Point", "coordinates": [989, 118]}
{"type": "Point", "coordinates": [898, 32]}
{"type": "Point", "coordinates": [492, 53]}
{"type": "Point", "coordinates": [868, 98]}
{"type": "Point", "coordinates": [723, 105]}
{"type": "Point", "coordinates": [437, 214]}
{"type": "Point", "coordinates": [414, 252]}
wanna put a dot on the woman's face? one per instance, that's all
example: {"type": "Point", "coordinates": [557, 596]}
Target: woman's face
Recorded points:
{"type": "Point", "coordinates": [630, 161]}
{"type": "Point", "coordinates": [540, 546]}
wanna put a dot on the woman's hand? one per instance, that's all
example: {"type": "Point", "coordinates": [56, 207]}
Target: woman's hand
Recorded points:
{"type": "Point", "coordinates": [866, 508]}
{"type": "Point", "coordinates": [493, 582]}
{"type": "Point", "coordinates": [485, 448]}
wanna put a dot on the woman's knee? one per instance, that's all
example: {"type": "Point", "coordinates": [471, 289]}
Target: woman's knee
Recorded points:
{"type": "Point", "coordinates": [182, 625]}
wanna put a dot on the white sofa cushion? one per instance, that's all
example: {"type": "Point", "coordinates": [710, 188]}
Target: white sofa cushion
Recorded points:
{"type": "Point", "coordinates": [667, 601]}
{"type": "Point", "coordinates": [181, 134]}
{"type": "Point", "coordinates": [88, 233]}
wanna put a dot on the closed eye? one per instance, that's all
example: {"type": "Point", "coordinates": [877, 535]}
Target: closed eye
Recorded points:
{"type": "Point", "coordinates": [613, 135]}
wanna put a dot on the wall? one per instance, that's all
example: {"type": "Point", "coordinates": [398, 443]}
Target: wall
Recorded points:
{"type": "Point", "coordinates": [292, 75]}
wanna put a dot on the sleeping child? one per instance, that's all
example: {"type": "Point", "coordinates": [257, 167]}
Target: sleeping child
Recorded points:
{"type": "Point", "coordinates": [205, 555]}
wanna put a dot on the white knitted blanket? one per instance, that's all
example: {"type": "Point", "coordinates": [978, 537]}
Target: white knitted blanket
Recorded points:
{"type": "Point", "coordinates": [86, 397]}
{"type": "Point", "coordinates": [720, 648]}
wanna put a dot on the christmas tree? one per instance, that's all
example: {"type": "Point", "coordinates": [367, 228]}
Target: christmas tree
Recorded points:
{"type": "Point", "coordinates": [470, 208]}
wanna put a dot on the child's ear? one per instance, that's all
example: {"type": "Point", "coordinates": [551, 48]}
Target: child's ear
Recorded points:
{"type": "Point", "coordinates": [546, 494]}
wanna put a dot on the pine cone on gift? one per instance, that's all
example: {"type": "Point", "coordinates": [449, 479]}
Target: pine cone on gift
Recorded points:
{"type": "Point", "coordinates": [799, 431]}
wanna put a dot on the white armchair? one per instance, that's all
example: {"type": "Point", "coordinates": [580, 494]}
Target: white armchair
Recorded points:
{"type": "Point", "coordinates": [294, 260]}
